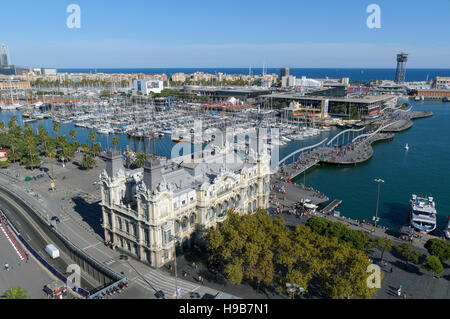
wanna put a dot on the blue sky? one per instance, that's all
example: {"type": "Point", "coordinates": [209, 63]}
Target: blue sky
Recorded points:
{"type": "Point", "coordinates": [197, 33]}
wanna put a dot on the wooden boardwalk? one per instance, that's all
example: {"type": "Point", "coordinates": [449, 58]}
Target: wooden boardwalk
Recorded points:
{"type": "Point", "coordinates": [332, 206]}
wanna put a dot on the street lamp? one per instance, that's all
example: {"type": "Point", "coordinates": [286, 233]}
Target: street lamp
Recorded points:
{"type": "Point", "coordinates": [175, 238]}
{"type": "Point", "coordinates": [379, 181]}
{"type": "Point", "coordinates": [294, 288]}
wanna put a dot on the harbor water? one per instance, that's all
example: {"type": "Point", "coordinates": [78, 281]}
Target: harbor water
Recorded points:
{"type": "Point", "coordinates": [423, 170]}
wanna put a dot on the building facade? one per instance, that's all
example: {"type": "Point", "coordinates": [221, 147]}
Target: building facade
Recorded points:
{"type": "Point", "coordinates": [149, 212]}
{"type": "Point", "coordinates": [441, 82]}
{"type": "Point", "coordinates": [5, 59]}
{"type": "Point", "coordinates": [146, 87]}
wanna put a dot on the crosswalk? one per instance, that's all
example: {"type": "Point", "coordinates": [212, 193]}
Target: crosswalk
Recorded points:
{"type": "Point", "coordinates": [155, 281]}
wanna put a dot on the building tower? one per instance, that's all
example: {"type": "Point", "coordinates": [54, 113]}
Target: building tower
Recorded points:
{"type": "Point", "coordinates": [284, 72]}
{"type": "Point", "coordinates": [400, 76]}
{"type": "Point", "coordinates": [4, 56]}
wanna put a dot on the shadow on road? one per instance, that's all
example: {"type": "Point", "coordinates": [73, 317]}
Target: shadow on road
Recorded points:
{"type": "Point", "coordinates": [91, 213]}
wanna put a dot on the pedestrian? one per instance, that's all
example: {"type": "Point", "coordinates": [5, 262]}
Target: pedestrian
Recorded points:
{"type": "Point", "coordinates": [6, 267]}
{"type": "Point", "coordinates": [391, 270]}
{"type": "Point", "coordinates": [404, 294]}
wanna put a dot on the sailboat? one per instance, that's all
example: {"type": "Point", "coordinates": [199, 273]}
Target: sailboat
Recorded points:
{"type": "Point", "coordinates": [407, 147]}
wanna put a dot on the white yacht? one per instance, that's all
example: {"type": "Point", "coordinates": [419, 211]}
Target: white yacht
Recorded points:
{"type": "Point", "coordinates": [423, 213]}
{"type": "Point", "coordinates": [7, 107]}
{"type": "Point", "coordinates": [407, 147]}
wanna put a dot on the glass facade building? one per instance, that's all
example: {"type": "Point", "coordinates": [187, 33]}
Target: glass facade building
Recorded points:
{"type": "Point", "coordinates": [4, 56]}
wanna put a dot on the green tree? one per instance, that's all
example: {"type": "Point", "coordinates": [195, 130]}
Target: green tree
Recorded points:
{"type": "Point", "coordinates": [433, 264]}
{"type": "Point", "coordinates": [251, 247]}
{"type": "Point", "coordinates": [357, 238]}
{"type": "Point", "coordinates": [15, 293]}
{"type": "Point", "coordinates": [96, 149]}
{"type": "Point", "coordinates": [13, 122]}
{"type": "Point", "coordinates": [439, 248]}
{"type": "Point", "coordinates": [85, 148]}
{"type": "Point", "coordinates": [43, 135]}
{"type": "Point", "coordinates": [115, 141]}
{"type": "Point", "coordinates": [2, 125]}
{"type": "Point", "coordinates": [408, 252]}
{"type": "Point", "coordinates": [92, 137]}
{"type": "Point", "coordinates": [88, 161]}
{"type": "Point", "coordinates": [384, 244]}
{"type": "Point", "coordinates": [51, 154]}
{"type": "Point", "coordinates": [140, 159]}
{"type": "Point", "coordinates": [56, 127]}
{"type": "Point", "coordinates": [73, 134]}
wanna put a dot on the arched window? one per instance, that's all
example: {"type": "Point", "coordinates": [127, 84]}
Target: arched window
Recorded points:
{"type": "Point", "coordinates": [224, 209]}
{"type": "Point", "coordinates": [177, 226]}
{"type": "Point", "coordinates": [254, 205]}
{"type": "Point", "coordinates": [184, 224]}
{"type": "Point", "coordinates": [211, 213]}
{"type": "Point", "coordinates": [218, 209]}
{"type": "Point", "coordinates": [192, 220]}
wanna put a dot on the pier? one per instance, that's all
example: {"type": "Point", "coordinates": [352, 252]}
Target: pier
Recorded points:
{"type": "Point", "coordinates": [357, 149]}
{"type": "Point", "coordinates": [331, 207]}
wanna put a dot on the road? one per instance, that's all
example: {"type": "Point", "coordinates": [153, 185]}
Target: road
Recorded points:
{"type": "Point", "coordinates": [80, 215]}
{"type": "Point", "coordinates": [28, 275]}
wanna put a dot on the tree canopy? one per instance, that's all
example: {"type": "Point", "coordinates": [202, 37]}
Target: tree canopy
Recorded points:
{"type": "Point", "coordinates": [432, 263]}
{"type": "Point", "coordinates": [15, 293]}
{"type": "Point", "coordinates": [257, 248]}
{"type": "Point", "coordinates": [439, 248]}
{"type": "Point", "coordinates": [356, 238]}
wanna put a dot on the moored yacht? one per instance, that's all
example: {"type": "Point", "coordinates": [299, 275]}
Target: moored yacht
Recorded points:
{"type": "Point", "coordinates": [423, 213]}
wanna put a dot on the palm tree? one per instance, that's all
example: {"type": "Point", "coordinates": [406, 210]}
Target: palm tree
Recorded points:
{"type": "Point", "coordinates": [12, 122]}
{"type": "Point", "coordinates": [15, 293]}
{"type": "Point", "coordinates": [92, 136]}
{"type": "Point", "coordinates": [51, 154]}
{"type": "Point", "coordinates": [29, 143]}
{"type": "Point", "coordinates": [85, 148]}
{"type": "Point", "coordinates": [2, 125]}
{"type": "Point", "coordinates": [115, 141]}
{"type": "Point", "coordinates": [43, 134]}
{"type": "Point", "coordinates": [56, 127]}
{"type": "Point", "coordinates": [96, 149]}
{"type": "Point", "coordinates": [88, 161]}
{"type": "Point", "coordinates": [140, 159]}
{"type": "Point", "coordinates": [73, 134]}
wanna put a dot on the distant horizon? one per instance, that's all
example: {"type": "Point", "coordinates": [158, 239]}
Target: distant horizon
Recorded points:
{"type": "Point", "coordinates": [242, 67]}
